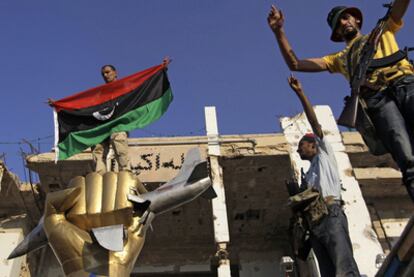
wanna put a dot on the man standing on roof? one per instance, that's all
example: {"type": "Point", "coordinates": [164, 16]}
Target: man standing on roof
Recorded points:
{"type": "Point", "coordinates": [330, 236]}
{"type": "Point", "coordinates": [389, 91]}
{"type": "Point", "coordinates": [119, 140]}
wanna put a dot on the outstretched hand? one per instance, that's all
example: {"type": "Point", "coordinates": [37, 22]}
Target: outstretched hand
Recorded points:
{"type": "Point", "coordinates": [307, 107]}
{"type": "Point", "coordinates": [166, 61]}
{"type": "Point", "coordinates": [295, 84]}
{"type": "Point", "coordinates": [50, 102]}
{"type": "Point", "coordinates": [275, 19]}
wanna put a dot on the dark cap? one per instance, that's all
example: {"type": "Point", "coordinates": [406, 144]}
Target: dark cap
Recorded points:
{"type": "Point", "coordinates": [334, 16]}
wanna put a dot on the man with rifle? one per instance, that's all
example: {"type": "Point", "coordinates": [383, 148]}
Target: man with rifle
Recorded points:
{"type": "Point", "coordinates": [384, 93]}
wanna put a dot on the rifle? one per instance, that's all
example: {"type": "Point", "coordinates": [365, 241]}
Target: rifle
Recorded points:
{"type": "Point", "coordinates": [358, 78]}
{"type": "Point", "coordinates": [293, 186]}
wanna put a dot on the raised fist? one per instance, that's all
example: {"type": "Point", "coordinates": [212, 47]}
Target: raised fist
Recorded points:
{"type": "Point", "coordinates": [295, 84]}
{"type": "Point", "coordinates": [275, 19]}
{"type": "Point", "coordinates": [73, 215]}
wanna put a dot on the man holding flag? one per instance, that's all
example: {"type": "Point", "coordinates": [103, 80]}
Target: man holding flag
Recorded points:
{"type": "Point", "coordinates": [102, 116]}
{"type": "Point", "coordinates": [118, 141]}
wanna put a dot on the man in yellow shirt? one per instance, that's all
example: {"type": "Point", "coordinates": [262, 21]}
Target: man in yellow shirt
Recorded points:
{"type": "Point", "coordinates": [388, 92]}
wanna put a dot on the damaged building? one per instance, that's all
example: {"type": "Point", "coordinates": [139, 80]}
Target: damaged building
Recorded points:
{"type": "Point", "coordinates": [249, 236]}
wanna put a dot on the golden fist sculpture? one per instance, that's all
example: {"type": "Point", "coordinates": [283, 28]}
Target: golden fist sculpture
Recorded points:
{"type": "Point", "coordinates": [97, 226]}
{"type": "Point", "coordinates": [73, 215]}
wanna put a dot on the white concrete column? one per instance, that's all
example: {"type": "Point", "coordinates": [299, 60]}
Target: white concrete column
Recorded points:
{"type": "Point", "coordinates": [364, 240]}
{"type": "Point", "coordinates": [10, 238]}
{"type": "Point", "coordinates": [220, 222]}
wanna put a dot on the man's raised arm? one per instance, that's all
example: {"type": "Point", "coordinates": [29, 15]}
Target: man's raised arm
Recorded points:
{"type": "Point", "coordinates": [307, 107]}
{"type": "Point", "coordinates": [276, 20]}
{"type": "Point", "coordinates": [398, 10]}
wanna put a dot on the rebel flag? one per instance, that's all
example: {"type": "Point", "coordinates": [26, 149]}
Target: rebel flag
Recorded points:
{"type": "Point", "coordinates": [89, 117]}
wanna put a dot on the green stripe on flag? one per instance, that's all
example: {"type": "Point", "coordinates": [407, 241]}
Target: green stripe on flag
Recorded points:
{"type": "Point", "coordinates": [76, 142]}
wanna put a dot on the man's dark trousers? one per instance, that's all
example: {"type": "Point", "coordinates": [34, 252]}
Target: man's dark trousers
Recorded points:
{"type": "Point", "coordinates": [392, 113]}
{"type": "Point", "coordinates": [332, 245]}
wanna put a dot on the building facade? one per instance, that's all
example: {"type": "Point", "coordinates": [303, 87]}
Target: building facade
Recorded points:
{"type": "Point", "coordinates": [252, 170]}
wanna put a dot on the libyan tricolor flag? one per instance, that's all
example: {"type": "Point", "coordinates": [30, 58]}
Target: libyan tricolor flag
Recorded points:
{"type": "Point", "coordinates": [87, 118]}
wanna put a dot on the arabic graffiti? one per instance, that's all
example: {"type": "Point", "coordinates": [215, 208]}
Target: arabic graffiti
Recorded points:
{"type": "Point", "coordinates": [154, 161]}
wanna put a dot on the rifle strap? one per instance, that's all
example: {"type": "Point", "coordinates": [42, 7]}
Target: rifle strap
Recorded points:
{"type": "Point", "coordinates": [352, 57]}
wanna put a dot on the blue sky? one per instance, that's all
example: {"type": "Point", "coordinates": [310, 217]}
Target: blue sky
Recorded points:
{"type": "Point", "coordinates": [223, 54]}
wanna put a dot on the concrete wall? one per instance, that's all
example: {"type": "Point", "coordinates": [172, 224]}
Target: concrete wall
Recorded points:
{"type": "Point", "coordinates": [9, 239]}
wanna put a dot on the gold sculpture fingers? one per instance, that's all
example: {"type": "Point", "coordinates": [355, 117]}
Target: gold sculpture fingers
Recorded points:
{"type": "Point", "coordinates": [92, 202]}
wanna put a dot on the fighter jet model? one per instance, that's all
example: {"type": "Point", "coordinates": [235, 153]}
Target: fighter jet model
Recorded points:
{"type": "Point", "coordinates": [191, 182]}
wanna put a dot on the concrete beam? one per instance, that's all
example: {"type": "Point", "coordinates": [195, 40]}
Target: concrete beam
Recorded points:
{"type": "Point", "coordinates": [219, 206]}
{"type": "Point", "coordinates": [380, 182]}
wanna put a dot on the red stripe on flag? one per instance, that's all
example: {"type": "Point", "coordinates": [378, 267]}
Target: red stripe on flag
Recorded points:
{"type": "Point", "coordinates": [106, 92]}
